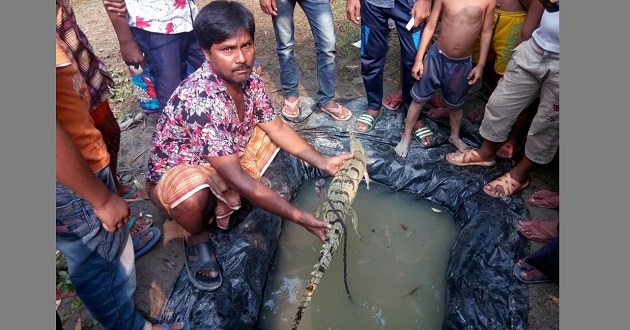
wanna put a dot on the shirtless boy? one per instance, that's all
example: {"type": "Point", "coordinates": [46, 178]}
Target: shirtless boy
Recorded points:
{"type": "Point", "coordinates": [448, 65]}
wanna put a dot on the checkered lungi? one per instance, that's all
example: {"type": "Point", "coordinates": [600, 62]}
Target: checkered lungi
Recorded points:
{"type": "Point", "coordinates": [180, 182]}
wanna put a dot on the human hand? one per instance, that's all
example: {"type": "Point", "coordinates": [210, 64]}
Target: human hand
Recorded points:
{"type": "Point", "coordinates": [113, 213]}
{"type": "Point", "coordinates": [420, 12]}
{"type": "Point", "coordinates": [475, 75]}
{"type": "Point", "coordinates": [353, 11]}
{"type": "Point", "coordinates": [131, 54]}
{"type": "Point", "coordinates": [314, 226]}
{"type": "Point", "coordinates": [417, 70]}
{"type": "Point", "coordinates": [269, 7]}
{"type": "Point", "coordinates": [116, 6]}
{"type": "Point", "coordinates": [333, 164]}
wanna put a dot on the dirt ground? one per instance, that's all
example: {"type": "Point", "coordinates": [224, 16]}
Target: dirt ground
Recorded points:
{"type": "Point", "coordinates": [159, 268]}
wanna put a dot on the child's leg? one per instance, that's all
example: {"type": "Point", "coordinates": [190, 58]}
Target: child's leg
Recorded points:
{"type": "Point", "coordinates": [455, 119]}
{"type": "Point", "coordinates": [410, 121]}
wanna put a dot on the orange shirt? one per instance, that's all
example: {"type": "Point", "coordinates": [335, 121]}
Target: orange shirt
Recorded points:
{"type": "Point", "coordinates": [73, 110]}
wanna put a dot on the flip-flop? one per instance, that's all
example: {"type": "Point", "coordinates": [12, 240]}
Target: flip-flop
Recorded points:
{"type": "Point", "coordinates": [340, 109]}
{"type": "Point", "coordinates": [545, 198]}
{"type": "Point", "coordinates": [517, 274]}
{"type": "Point", "coordinates": [204, 251]}
{"type": "Point", "coordinates": [165, 326]}
{"type": "Point", "coordinates": [421, 133]}
{"type": "Point", "coordinates": [127, 196]}
{"type": "Point", "coordinates": [394, 102]}
{"type": "Point", "coordinates": [536, 224]}
{"type": "Point", "coordinates": [292, 105]}
{"type": "Point", "coordinates": [510, 186]}
{"type": "Point", "coordinates": [136, 239]}
{"type": "Point", "coordinates": [465, 158]}
{"type": "Point", "coordinates": [368, 120]}
{"type": "Point", "coordinates": [132, 221]}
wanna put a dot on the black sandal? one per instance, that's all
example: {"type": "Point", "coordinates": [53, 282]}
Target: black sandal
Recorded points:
{"type": "Point", "coordinates": [206, 260]}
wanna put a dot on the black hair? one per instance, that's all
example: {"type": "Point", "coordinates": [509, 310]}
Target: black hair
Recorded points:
{"type": "Point", "coordinates": [221, 20]}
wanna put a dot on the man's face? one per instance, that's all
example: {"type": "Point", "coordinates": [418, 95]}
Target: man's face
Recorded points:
{"type": "Point", "coordinates": [232, 60]}
{"type": "Point", "coordinates": [551, 6]}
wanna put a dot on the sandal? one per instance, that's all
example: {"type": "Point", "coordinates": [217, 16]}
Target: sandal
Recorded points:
{"type": "Point", "coordinates": [294, 107]}
{"type": "Point", "coordinates": [136, 238]}
{"type": "Point", "coordinates": [422, 133]}
{"type": "Point", "coordinates": [340, 109]}
{"type": "Point", "coordinates": [545, 198]}
{"type": "Point", "coordinates": [509, 185]}
{"type": "Point", "coordinates": [466, 158]}
{"type": "Point", "coordinates": [206, 259]}
{"type": "Point", "coordinates": [369, 121]}
{"type": "Point", "coordinates": [134, 194]}
{"type": "Point", "coordinates": [392, 102]}
{"type": "Point", "coordinates": [541, 234]}
{"type": "Point", "coordinates": [165, 326]}
{"type": "Point", "coordinates": [136, 227]}
{"type": "Point", "coordinates": [528, 268]}
{"type": "Point", "coordinates": [507, 151]}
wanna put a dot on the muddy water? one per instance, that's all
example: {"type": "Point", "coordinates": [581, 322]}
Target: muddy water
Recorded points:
{"type": "Point", "coordinates": [396, 273]}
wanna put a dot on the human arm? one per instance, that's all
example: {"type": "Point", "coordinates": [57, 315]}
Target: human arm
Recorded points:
{"type": "Point", "coordinates": [289, 140]}
{"type": "Point", "coordinates": [230, 169]}
{"type": "Point", "coordinates": [532, 20]}
{"type": "Point", "coordinates": [269, 7]}
{"type": "Point", "coordinates": [353, 11]}
{"type": "Point", "coordinates": [129, 49]}
{"type": "Point", "coordinates": [484, 43]}
{"type": "Point", "coordinates": [118, 7]}
{"type": "Point", "coordinates": [427, 34]}
{"type": "Point", "coordinates": [420, 11]}
{"type": "Point", "coordinates": [74, 172]}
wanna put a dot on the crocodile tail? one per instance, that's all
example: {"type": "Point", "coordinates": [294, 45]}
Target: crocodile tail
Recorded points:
{"type": "Point", "coordinates": [324, 260]}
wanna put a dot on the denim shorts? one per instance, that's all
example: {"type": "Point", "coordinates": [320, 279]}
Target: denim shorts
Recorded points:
{"type": "Point", "coordinates": [449, 74]}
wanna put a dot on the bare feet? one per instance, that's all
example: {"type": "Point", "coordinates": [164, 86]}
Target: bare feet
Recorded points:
{"type": "Point", "coordinates": [402, 149]}
{"type": "Point", "coordinates": [403, 146]}
{"type": "Point", "coordinates": [458, 143]}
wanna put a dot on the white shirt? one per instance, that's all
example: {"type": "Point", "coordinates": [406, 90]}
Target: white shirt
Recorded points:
{"type": "Point", "coordinates": [547, 35]}
{"type": "Point", "coordinates": [161, 16]}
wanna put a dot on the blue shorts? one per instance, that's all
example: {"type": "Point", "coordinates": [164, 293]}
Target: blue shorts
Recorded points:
{"type": "Point", "coordinates": [441, 71]}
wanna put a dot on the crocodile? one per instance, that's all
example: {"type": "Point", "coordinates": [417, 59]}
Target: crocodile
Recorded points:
{"type": "Point", "coordinates": [341, 193]}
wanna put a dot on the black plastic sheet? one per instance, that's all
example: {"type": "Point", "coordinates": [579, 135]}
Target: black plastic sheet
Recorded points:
{"type": "Point", "coordinates": [482, 292]}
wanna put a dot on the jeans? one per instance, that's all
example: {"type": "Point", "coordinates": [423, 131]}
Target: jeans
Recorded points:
{"type": "Point", "coordinates": [320, 18]}
{"type": "Point", "coordinates": [100, 264]}
{"type": "Point", "coordinates": [167, 55]}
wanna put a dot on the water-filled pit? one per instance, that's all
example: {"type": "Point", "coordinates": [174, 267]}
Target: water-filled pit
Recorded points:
{"type": "Point", "coordinates": [396, 273]}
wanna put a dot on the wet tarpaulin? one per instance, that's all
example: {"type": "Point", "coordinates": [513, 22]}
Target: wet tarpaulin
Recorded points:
{"type": "Point", "coordinates": [482, 292]}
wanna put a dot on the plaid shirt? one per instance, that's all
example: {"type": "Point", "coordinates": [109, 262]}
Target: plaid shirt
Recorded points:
{"type": "Point", "coordinates": [91, 67]}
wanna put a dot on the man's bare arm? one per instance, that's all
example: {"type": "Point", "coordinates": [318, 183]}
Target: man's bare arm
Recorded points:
{"type": "Point", "coordinates": [289, 140]}
{"type": "Point", "coordinates": [129, 49]}
{"type": "Point", "coordinates": [420, 11]}
{"type": "Point", "coordinates": [534, 14]}
{"type": "Point", "coordinates": [230, 169]}
{"type": "Point", "coordinates": [73, 172]}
